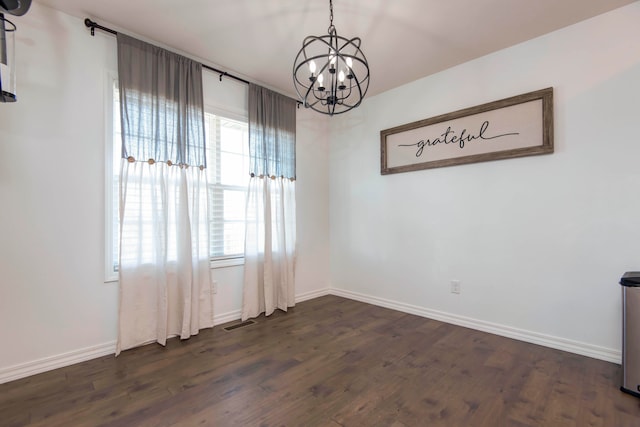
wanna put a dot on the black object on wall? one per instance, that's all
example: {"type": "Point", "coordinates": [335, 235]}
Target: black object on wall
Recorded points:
{"type": "Point", "coordinates": [7, 47]}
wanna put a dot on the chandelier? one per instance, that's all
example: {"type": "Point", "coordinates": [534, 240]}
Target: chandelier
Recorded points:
{"type": "Point", "coordinates": [331, 73]}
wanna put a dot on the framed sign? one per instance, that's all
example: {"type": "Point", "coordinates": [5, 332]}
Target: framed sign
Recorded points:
{"type": "Point", "coordinates": [513, 127]}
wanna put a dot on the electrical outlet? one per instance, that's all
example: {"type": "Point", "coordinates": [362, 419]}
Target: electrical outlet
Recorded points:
{"type": "Point", "coordinates": [455, 286]}
{"type": "Point", "coordinates": [214, 287]}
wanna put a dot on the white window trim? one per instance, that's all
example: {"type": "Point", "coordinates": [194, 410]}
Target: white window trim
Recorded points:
{"type": "Point", "coordinates": [109, 262]}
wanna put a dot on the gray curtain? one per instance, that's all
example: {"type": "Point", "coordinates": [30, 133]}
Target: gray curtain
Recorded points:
{"type": "Point", "coordinates": [270, 240]}
{"type": "Point", "coordinates": [272, 133]}
{"type": "Point", "coordinates": [161, 104]}
{"type": "Point", "coordinates": [164, 273]}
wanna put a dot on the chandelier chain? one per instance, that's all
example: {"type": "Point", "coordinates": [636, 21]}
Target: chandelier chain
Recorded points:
{"type": "Point", "coordinates": [331, 13]}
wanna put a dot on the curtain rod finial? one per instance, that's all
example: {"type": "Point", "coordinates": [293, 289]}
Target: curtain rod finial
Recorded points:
{"type": "Point", "coordinates": [90, 24]}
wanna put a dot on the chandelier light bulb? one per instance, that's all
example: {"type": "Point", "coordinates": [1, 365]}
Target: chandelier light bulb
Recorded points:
{"type": "Point", "coordinates": [341, 86]}
{"type": "Point", "coordinates": [312, 67]}
{"type": "Point", "coordinates": [320, 80]}
{"type": "Point", "coordinates": [349, 62]}
{"type": "Point", "coordinates": [332, 64]}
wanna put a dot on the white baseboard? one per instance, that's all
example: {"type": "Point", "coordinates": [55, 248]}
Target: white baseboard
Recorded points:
{"type": "Point", "coordinates": [584, 349]}
{"type": "Point", "coordinates": [23, 370]}
{"type": "Point", "coordinates": [230, 316]}
{"type": "Point", "coordinates": [312, 294]}
{"type": "Point", "coordinates": [54, 362]}
{"type": "Point", "coordinates": [237, 314]}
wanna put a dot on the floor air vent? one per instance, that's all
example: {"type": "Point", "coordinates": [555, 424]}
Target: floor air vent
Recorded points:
{"type": "Point", "coordinates": [239, 325]}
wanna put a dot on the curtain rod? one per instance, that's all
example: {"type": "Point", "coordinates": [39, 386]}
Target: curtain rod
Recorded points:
{"type": "Point", "coordinates": [93, 25]}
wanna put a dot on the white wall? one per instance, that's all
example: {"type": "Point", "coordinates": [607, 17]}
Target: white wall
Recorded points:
{"type": "Point", "coordinates": [52, 296]}
{"type": "Point", "coordinates": [55, 308]}
{"type": "Point", "coordinates": [538, 243]}
{"type": "Point", "coordinates": [312, 203]}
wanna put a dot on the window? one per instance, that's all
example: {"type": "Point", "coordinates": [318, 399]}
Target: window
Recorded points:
{"type": "Point", "coordinates": [228, 177]}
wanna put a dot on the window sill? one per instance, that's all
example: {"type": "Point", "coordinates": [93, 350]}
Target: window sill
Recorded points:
{"type": "Point", "coordinates": [214, 263]}
{"type": "Point", "coordinates": [111, 278]}
{"type": "Point", "coordinates": [229, 262]}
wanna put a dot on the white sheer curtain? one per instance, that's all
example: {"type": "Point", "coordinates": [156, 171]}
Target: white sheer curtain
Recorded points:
{"type": "Point", "coordinates": [164, 274]}
{"type": "Point", "coordinates": [270, 241]}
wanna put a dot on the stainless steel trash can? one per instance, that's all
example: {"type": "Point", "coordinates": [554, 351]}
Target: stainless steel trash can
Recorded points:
{"type": "Point", "coordinates": [630, 282]}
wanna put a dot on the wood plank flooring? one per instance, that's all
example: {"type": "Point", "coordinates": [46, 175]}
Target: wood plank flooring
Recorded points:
{"type": "Point", "coordinates": [328, 362]}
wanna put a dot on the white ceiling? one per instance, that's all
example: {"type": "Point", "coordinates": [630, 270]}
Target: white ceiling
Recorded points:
{"type": "Point", "coordinates": [403, 40]}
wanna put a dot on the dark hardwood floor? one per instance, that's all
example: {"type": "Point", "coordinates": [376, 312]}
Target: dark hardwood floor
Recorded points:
{"type": "Point", "coordinates": [329, 362]}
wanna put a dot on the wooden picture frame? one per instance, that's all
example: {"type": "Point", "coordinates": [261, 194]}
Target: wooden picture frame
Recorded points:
{"type": "Point", "coordinates": [512, 127]}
